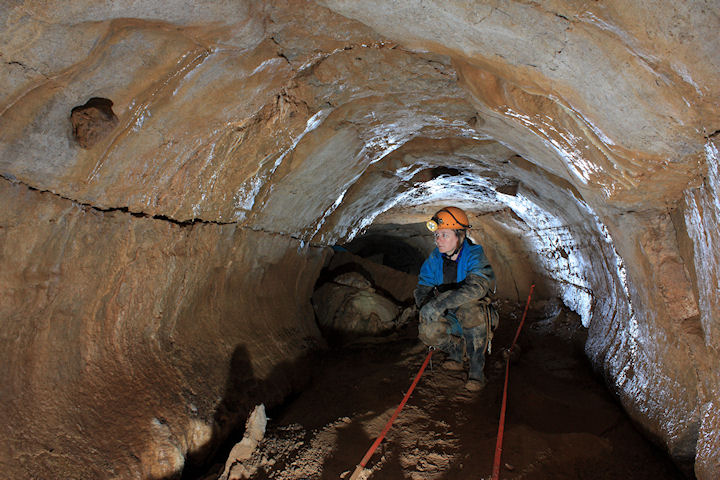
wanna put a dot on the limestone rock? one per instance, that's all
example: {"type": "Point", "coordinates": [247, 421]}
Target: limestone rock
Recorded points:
{"type": "Point", "coordinates": [135, 359]}
{"type": "Point", "coordinates": [396, 284]}
{"type": "Point", "coordinates": [353, 279]}
{"type": "Point", "coordinates": [243, 450]}
{"type": "Point", "coordinates": [348, 306]}
{"type": "Point", "coordinates": [93, 121]}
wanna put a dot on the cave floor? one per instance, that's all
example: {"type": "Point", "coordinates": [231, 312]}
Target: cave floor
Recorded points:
{"type": "Point", "coordinates": [561, 421]}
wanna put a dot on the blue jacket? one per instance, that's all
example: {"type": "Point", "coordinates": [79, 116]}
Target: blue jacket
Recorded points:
{"type": "Point", "coordinates": [472, 260]}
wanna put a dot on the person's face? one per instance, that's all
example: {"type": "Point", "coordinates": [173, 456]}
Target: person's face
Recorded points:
{"type": "Point", "coordinates": [446, 240]}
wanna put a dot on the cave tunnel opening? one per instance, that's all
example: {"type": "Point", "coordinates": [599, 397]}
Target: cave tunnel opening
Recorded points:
{"type": "Point", "coordinates": [388, 249]}
{"type": "Point", "coordinates": [562, 422]}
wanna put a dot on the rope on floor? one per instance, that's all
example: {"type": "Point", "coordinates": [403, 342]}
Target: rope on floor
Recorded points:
{"type": "Point", "coordinates": [501, 428]}
{"type": "Point", "coordinates": [358, 471]}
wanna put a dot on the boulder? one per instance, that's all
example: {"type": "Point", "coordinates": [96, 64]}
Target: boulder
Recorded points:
{"type": "Point", "coordinates": [350, 306]}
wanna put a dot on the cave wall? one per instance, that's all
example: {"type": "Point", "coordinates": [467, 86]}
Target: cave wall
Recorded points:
{"type": "Point", "coordinates": [249, 134]}
{"type": "Point", "coordinates": [130, 342]}
{"type": "Point", "coordinates": [702, 218]}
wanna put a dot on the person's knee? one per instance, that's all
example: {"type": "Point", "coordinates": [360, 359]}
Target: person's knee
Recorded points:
{"type": "Point", "coordinates": [432, 333]}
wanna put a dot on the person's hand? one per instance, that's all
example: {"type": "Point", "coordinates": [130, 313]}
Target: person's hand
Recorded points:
{"type": "Point", "coordinates": [431, 312]}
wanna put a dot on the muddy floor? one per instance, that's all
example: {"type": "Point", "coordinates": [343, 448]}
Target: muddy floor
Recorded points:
{"type": "Point", "coordinates": [561, 421]}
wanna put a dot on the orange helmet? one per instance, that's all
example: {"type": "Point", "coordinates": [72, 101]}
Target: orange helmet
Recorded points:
{"type": "Point", "coordinates": [449, 217]}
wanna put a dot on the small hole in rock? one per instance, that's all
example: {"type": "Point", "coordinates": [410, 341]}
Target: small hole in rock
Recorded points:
{"type": "Point", "coordinates": [93, 121]}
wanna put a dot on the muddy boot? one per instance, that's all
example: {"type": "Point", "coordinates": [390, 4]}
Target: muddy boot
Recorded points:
{"type": "Point", "coordinates": [475, 385]}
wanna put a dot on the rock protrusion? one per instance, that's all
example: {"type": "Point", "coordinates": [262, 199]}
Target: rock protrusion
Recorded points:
{"type": "Point", "coordinates": [235, 467]}
{"type": "Point", "coordinates": [350, 306]}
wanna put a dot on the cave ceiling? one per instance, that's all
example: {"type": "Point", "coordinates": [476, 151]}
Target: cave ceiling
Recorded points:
{"type": "Point", "coordinates": [233, 116]}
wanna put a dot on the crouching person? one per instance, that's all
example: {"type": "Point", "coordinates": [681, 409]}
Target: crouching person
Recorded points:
{"type": "Point", "coordinates": [456, 315]}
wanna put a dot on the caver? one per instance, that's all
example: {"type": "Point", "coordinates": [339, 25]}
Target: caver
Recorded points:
{"type": "Point", "coordinates": [456, 314]}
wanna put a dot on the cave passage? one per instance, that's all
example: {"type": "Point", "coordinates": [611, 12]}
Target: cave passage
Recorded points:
{"type": "Point", "coordinates": [561, 423]}
{"type": "Point", "coordinates": [181, 184]}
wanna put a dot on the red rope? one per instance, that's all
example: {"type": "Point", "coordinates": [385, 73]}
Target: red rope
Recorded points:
{"type": "Point", "coordinates": [501, 428]}
{"type": "Point", "coordinates": [379, 439]}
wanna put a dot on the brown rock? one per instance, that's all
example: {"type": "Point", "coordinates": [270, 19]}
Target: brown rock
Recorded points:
{"type": "Point", "coordinates": [350, 307]}
{"type": "Point", "coordinates": [93, 121]}
{"type": "Point", "coordinates": [133, 358]}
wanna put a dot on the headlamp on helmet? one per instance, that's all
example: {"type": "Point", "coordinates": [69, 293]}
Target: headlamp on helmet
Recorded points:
{"type": "Point", "coordinates": [451, 218]}
{"type": "Point", "coordinates": [432, 224]}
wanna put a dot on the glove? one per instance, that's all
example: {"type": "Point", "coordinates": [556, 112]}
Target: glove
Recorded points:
{"type": "Point", "coordinates": [431, 312]}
